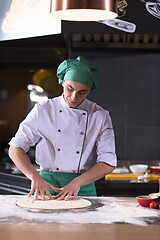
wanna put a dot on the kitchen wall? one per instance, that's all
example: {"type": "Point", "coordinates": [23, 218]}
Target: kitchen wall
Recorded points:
{"type": "Point", "coordinates": [130, 89]}
{"type": "Point", "coordinates": [19, 60]}
{"type": "Point", "coordinates": [13, 103]}
{"type": "Point", "coordinates": [13, 107]}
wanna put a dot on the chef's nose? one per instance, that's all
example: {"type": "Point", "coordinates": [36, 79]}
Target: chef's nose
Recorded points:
{"type": "Point", "coordinates": [74, 95]}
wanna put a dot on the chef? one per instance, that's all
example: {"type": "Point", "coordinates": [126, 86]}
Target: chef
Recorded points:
{"type": "Point", "coordinates": [73, 137]}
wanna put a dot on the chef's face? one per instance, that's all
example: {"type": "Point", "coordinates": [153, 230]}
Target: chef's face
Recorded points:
{"type": "Point", "coordinates": [74, 93]}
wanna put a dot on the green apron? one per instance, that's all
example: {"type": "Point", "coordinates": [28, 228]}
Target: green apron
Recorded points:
{"type": "Point", "coordinates": [59, 180]}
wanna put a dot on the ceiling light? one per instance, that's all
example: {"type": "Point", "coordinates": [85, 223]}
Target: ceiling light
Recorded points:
{"type": "Point", "coordinates": [83, 10]}
{"type": "Point", "coordinates": [28, 19]}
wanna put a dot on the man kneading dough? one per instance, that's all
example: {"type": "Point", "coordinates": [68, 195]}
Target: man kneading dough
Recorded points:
{"type": "Point", "coordinates": [74, 137]}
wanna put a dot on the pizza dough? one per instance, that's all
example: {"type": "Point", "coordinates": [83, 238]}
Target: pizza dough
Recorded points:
{"type": "Point", "coordinates": [48, 204]}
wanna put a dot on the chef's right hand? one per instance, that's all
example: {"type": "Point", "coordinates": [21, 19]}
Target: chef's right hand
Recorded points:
{"type": "Point", "coordinates": [40, 186]}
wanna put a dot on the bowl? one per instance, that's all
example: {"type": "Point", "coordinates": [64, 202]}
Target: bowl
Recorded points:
{"type": "Point", "coordinates": [138, 168]}
{"type": "Point", "coordinates": [145, 200]}
{"type": "Point", "coordinates": [155, 169]}
{"type": "Point", "coordinates": [155, 194]}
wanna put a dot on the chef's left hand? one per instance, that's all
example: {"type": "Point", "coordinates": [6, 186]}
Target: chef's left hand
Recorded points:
{"type": "Point", "coordinates": [70, 189]}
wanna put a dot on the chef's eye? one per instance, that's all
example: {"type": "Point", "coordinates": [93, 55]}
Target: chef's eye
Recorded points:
{"type": "Point", "coordinates": [82, 92]}
{"type": "Point", "coordinates": [70, 89]}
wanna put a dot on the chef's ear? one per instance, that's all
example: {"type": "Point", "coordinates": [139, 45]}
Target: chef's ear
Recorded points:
{"type": "Point", "coordinates": [63, 83]}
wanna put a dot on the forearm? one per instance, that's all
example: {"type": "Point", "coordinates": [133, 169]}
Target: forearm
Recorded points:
{"type": "Point", "coordinates": [38, 184]}
{"type": "Point", "coordinates": [22, 161]}
{"type": "Point", "coordinates": [98, 171]}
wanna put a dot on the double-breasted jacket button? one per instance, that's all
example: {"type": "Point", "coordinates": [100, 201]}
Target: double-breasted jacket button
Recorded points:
{"type": "Point", "coordinates": [59, 149]}
{"type": "Point", "coordinates": [77, 152]}
{"type": "Point", "coordinates": [59, 130]}
{"type": "Point", "coordinates": [60, 110]}
{"type": "Point", "coordinates": [81, 133]}
{"type": "Point", "coordinates": [84, 113]}
{"type": "Point", "coordinates": [57, 168]}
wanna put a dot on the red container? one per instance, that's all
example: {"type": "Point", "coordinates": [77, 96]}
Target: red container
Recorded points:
{"type": "Point", "coordinates": [145, 200]}
{"type": "Point", "coordinates": [155, 169]}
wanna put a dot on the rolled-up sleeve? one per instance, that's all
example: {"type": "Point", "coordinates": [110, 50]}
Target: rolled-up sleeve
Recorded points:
{"type": "Point", "coordinates": [27, 134]}
{"type": "Point", "coordinates": [106, 143]}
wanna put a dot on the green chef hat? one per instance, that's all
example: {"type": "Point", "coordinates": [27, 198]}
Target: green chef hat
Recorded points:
{"type": "Point", "coordinates": [78, 70]}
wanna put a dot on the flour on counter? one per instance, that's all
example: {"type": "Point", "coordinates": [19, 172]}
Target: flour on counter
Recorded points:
{"type": "Point", "coordinates": [106, 210]}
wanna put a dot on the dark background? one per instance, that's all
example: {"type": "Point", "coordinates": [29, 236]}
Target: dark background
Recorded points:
{"type": "Point", "coordinates": [130, 89]}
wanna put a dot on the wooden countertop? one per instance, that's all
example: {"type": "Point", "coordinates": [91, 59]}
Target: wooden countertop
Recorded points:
{"type": "Point", "coordinates": [66, 231]}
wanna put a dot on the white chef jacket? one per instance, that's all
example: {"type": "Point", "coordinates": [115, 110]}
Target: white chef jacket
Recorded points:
{"type": "Point", "coordinates": [67, 139]}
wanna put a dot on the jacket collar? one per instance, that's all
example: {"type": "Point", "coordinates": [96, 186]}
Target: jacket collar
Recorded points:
{"type": "Point", "coordinates": [82, 106]}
